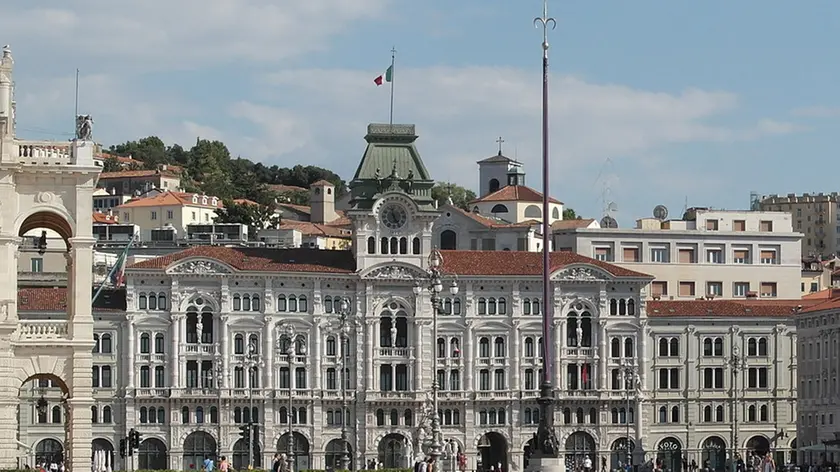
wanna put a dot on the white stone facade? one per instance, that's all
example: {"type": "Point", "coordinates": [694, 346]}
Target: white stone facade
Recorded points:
{"type": "Point", "coordinates": [818, 358]}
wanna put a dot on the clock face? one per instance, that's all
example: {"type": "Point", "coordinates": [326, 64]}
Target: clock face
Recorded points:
{"type": "Point", "coordinates": [393, 216]}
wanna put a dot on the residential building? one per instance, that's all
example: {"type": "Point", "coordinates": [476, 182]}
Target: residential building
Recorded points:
{"type": "Point", "coordinates": [813, 215]}
{"type": "Point", "coordinates": [818, 356]}
{"type": "Point", "coordinates": [819, 274]}
{"type": "Point", "coordinates": [713, 253]}
{"type": "Point", "coordinates": [137, 182]}
{"type": "Point", "coordinates": [106, 200]}
{"type": "Point", "coordinates": [216, 336]}
{"type": "Point", "coordinates": [170, 210]}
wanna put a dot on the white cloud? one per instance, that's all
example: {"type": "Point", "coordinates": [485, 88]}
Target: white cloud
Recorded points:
{"type": "Point", "coordinates": [817, 112]}
{"type": "Point", "coordinates": [165, 34]}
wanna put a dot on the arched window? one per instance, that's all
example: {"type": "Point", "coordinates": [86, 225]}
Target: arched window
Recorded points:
{"type": "Point", "coordinates": [448, 240]}
{"type": "Point", "coordinates": [499, 208]}
{"type": "Point", "coordinates": [185, 415]}
{"type": "Point", "coordinates": [493, 185]}
{"type": "Point", "coordinates": [106, 344]}
{"type": "Point", "coordinates": [533, 211]}
{"type": "Point", "coordinates": [371, 245]}
{"type": "Point", "coordinates": [106, 415]}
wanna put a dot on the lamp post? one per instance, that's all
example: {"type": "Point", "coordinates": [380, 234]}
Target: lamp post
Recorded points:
{"type": "Point", "coordinates": [629, 372]}
{"type": "Point", "coordinates": [219, 371]}
{"type": "Point", "coordinates": [251, 363]}
{"type": "Point", "coordinates": [341, 326]}
{"type": "Point", "coordinates": [286, 341]}
{"type": "Point", "coordinates": [434, 285]}
{"type": "Point", "coordinates": [736, 362]}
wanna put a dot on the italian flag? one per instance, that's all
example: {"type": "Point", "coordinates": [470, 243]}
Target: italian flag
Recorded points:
{"type": "Point", "coordinates": [386, 77]}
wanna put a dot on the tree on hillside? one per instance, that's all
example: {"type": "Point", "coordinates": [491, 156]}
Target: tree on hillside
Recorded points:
{"type": "Point", "coordinates": [461, 197]}
{"type": "Point", "coordinates": [569, 214]}
{"type": "Point", "coordinates": [112, 164]}
{"type": "Point", "coordinates": [256, 217]}
{"type": "Point", "coordinates": [150, 150]}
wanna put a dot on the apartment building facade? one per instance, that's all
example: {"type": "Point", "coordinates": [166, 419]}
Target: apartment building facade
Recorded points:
{"type": "Point", "coordinates": [813, 215]}
{"type": "Point", "coordinates": [718, 254]}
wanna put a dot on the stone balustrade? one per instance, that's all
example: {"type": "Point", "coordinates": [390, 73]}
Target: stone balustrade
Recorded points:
{"type": "Point", "coordinates": [39, 331]}
{"type": "Point", "coordinates": [44, 152]}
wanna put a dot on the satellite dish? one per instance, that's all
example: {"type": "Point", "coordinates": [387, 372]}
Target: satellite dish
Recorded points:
{"type": "Point", "coordinates": [609, 222]}
{"type": "Point", "coordinates": [660, 212]}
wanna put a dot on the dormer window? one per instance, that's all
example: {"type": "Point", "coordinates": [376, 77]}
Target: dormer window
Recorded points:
{"type": "Point", "coordinates": [204, 200]}
{"type": "Point", "coordinates": [215, 201]}
{"type": "Point", "coordinates": [195, 198]}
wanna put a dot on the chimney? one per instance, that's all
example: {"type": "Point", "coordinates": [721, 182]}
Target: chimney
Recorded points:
{"type": "Point", "coordinates": [322, 202]}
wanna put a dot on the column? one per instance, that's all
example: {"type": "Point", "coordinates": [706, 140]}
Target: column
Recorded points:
{"type": "Point", "coordinates": [77, 411]}
{"type": "Point", "coordinates": [560, 366]}
{"type": "Point", "coordinates": [469, 357]}
{"type": "Point", "coordinates": [418, 352]}
{"type": "Point", "coordinates": [602, 353]}
{"type": "Point", "coordinates": [174, 351]}
{"type": "Point", "coordinates": [8, 290]}
{"type": "Point", "coordinates": [516, 357]}
{"type": "Point", "coordinates": [81, 278]}
{"type": "Point", "coordinates": [642, 355]}
{"type": "Point", "coordinates": [637, 406]}
{"type": "Point", "coordinates": [132, 347]}
{"type": "Point", "coordinates": [557, 362]}
{"type": "Point", "coordinates": [316, 346]}
{"type": "Point", "coordinates": [268, 352]}
{"type": "Point", "coordinates": [369, 340]}
{"type": "Point", "coordinates": [226, 359]}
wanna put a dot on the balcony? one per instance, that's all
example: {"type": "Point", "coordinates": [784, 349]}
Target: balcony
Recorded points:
{"type": "Point", "coordinates": [452, 395]}
{"type": "Point", "coordinates": [496, 395]}
{"type": "Point", "coordinates": [151, 393]}
{"type": "Point", "coordinates": [392, 395]}
{"type": "Point", "coordinates": [581, 394]}
{"type": "Point", "coordinates": [44, 153]}
{"type": "Point", "coordinates": [40, 332]}
{"type": "Point", "coordinates": [146, 358]}
{"type": "Point", "coordinates": [395, 352]}
{"type": "Point", "coordinates": [200, 349]}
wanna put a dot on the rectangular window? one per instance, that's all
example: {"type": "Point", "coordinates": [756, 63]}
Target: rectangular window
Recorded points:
{"type": "Point", "coordinates": [686, 289]}
{"type": "Point", "coordinates": [711, 225]}
{"type": "Point", "coordinates": [766, 226]}
{"type": "Point", "coordinates": [741, 256]}
{"type": "Point", "coordinates": [815, 287]}
{"type": "Point", "coordinates": [740, 289]}
{"type": "Point", "coordinates": [37, 264]}
{"type": "Point", "coordinates": [631, 254]}
{"type": "Point", "coordinates": [522, 244]}
{"type": "Point", "coordinates": [768, 256]}
{"type": "Point", "coordinates": [488, 244]}
{"type": "Point", "coordinates": [713, 378]}
{"type": "Point", "coordinates": [603, 254]}
{"type": "Point", "coordinates": [169, 214]}
{"type": "Point", "coordinates": [757, 378]}
{"type": "Point", "coordinates": [659, 288]}
{"type": "Point", "coordinates": [714, 256]}
{"type": "Point", "coordinates": [473, 244]}
{"type": "Point", "coordinates": [154, 215]}
{"type": "Point", "coordinates": [659, 254]}
{"type": "Point", "coordinates": [686, 256]}
{"type": "Point", "coordinates": [768, 289]}
{"type": "Point", "coordinates": [714, 288]}
{"type": "Point", "coordinates": [739, 225]}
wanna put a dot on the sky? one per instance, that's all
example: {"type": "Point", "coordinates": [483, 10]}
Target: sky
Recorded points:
{"type": "Point", "coordinates": [651, 102]}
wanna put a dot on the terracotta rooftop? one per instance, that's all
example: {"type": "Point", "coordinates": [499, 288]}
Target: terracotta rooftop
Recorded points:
{"type": "Point", "coordinates": [134, 174]}
{"type": "Point", "coordinates": [724, 308]}
{"type": "Point", "coordinates": [825, 300]}
{"type": "Point", "coordinates": [521, 263]}
{"type": "Point", "coordinates": [105, 219]}
{"type": "Point", "coordinates": [315, 229]}
{"type": "Point", "coordinates": [172, 199]}
{"type": "Point", "coordinates": [244, 201]}
{"type": "Point", "coordinates": [298, 208]}
{"type": "Point", "coordinates": [515, 193]}
{"type": "Point", "coordinates": [571, 224]}
{"type": "Point", "coordinates": [47, 299]}
{"type": "Point", "coordinates": [263, 260]}
{"type": "Point", "coordinates": [823, 294]}
{"type": "Point", "coordinates": [493, 222]}
{"type": "Point", "coordinates": [321, 183]}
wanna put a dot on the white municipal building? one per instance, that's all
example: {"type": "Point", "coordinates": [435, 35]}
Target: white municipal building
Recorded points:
{"type": "Point", "coordinates": [201, 346]}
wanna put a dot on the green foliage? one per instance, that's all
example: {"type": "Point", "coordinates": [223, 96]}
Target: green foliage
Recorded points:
{"type": "Point", "coordinates": [461, 197]}
{"type": "Point", "coordinates": [209, 168]}
{"type": "Point", "coordinates": [569, 214]}
{"type": "Point", "coordinates": [256, 217]}
{"type": "Point", "coordinates": [111, 165]}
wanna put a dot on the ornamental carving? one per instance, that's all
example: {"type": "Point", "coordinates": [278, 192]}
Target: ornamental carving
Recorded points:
{"type": "Point", "coordinates": [45, 197]}
{"type": "Point", "coordinates": [201, 267]}
{"type": "Point", "coordinates": [394, 272]}
{"type": "Point", "coordinates": [581, 274]}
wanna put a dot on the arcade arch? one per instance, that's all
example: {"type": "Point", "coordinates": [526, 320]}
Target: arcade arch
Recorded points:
{"type": "Point", "coordinates": [301, 450]}
{"type": "Point", "coordinates": [493, 449]}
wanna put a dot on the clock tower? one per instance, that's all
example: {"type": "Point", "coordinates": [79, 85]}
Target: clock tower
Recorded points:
{"type": "Point", "coordinates": [391, 204]}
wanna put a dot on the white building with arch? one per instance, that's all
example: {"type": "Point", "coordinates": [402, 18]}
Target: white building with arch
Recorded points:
{"type": "Point", "coordinates": [184, 378]}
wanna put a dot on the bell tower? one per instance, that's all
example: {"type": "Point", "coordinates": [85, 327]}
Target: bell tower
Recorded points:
{"type": "Point", "coordinates": [392, 208]}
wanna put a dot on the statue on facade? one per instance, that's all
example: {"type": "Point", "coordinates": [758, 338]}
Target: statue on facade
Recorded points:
{"type": "Point", "coordinates": [393, 335]}
{"type": "Point", "coordinates": [409, 455]}
{"type": "Point", "coordinates": [579, 333]}
{"type": "Point", "coordinates": [199, 328]}
{"type": "Point", "coordinates": [637, 382]}
{"type": "Point", "coordinates": [84, 127]}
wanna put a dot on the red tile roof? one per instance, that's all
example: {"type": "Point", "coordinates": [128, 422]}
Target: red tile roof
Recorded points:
{"type": "Point", "coordinates": [134, 174]}
{"type": "Point", "coordinates": [263, 260]}
{"type": "Point", "coordinates": [321, 183]}
{"type": "Point", "coordinates": [520, 263]}
{"type": "Point", "coordinates": [47, 299]}
{"type": "Point", "coordinates": [515, 193]}
{"type": "Point", "coordinates": [298, 208]}
{"type": "Point", "coordinates": [571, 224]}
{"type": "Point", "coordinates": [315, 229]}
{"type": "Point", "coordinates": [492, 222]}
{"type": "Point", "coordinates": [823, 294]}
{"type": "Point", "coordinates": [826, 300]}
{"type": "Point", "coordinates": [724, 308]}
{"type": "Point", "coordinates": [172, 199]}
{"type": "Point", "coordinates": [105, 219]}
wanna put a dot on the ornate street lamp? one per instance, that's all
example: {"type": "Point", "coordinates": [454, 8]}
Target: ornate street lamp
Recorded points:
{"type": "Point", "coordinates": [736, 362]}
{"type": "Point", "coordinates": [342, 326]}
{"type": "Point", "coordinates": [251, 363]}
{"type": "Point", "coordinates": [630, 374]}
{"type": "Point", "coordinates": [433, 283]}
{"type": "Point", "coordinates": [287, 340]}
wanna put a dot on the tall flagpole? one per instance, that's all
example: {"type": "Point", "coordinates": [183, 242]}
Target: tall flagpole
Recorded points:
{"type": "Point", "coordinates": [546, 445]}
{"type": "Point", "coordinates": [393, 71]}
{"type": "Point", "coordinates": [76, 109]}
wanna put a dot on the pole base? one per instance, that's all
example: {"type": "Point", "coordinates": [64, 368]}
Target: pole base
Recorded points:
{"type": "Point", "coordinates": [546, 464]}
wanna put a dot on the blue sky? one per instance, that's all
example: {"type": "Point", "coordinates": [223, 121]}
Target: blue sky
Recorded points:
{"type": "Point", "coordinates": [656, 101]}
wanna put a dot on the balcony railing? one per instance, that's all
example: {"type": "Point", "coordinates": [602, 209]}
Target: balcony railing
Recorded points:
{"type": "Point", "coordinates": [579, 351]}
{"type": "Point", "coordinates": [49, 153]}
{"type": "Point", "coordinates": [400, 352]}
{"type": "Point", "coordinates": [201, 349]}
{"type": "Point", "coordinates": [40, 331]}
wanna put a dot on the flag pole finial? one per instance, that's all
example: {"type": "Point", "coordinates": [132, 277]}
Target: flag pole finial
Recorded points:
{"type": "Point", "coordinates": [393, 60]}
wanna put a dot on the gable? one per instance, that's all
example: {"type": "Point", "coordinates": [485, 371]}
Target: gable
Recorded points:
{"type": "Point", "coordinates": [199, 267]}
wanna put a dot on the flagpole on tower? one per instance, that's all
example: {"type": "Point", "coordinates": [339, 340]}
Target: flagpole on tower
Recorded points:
{"type": "Point", "coordinates": [393, 58]}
